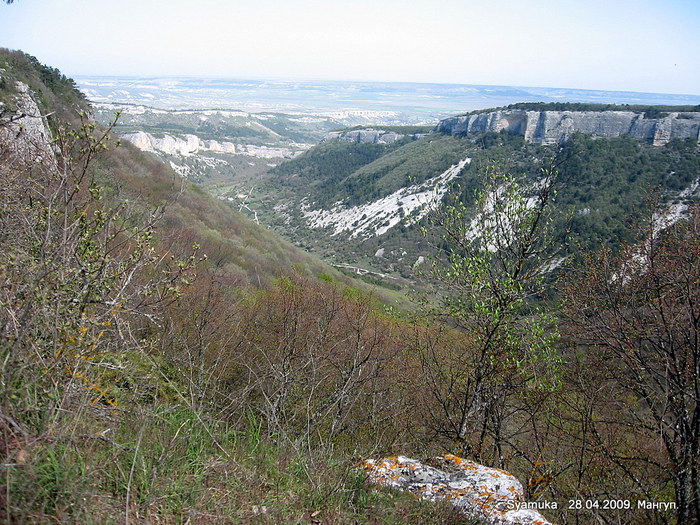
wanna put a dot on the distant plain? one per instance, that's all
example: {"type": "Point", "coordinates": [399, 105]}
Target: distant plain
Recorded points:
{"type": "Point", "coordinates": [412, 103]}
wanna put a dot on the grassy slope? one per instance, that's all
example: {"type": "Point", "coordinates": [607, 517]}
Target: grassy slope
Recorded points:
{"type": "Point", "coordinates": [361, 172]}
{"type": "Point", "coordinates": [193, 216]}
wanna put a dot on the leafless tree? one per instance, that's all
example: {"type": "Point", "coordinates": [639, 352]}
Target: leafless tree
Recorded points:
{"type": "Point", "coordinates": [637, 314]}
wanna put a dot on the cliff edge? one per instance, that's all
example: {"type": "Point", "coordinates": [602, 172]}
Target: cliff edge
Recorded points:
{"type": "Point", "coordinates": [553, 127]}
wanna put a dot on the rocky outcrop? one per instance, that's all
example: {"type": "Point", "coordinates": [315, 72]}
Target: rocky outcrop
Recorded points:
{"type": "Point", "coordinates": [189, 144]}
{"type": "Point", "coordinates": [169, 144]}
{"type": "Point", "coordinates": [377, 217]}
{"type": "Point", "coordinates": [552, 127]}
{"type": "Point", "coordinates": [369, 135]}
{"type": "Point", "coordinates": [480, 492]}
{"type": "Point", "coordinates": [24, 132]}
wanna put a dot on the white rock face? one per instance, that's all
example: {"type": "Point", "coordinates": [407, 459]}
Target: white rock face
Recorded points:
{"type": "Point", "coordinates": [552, 127]}
{"type": "Point", "coordinates": [188, 145]}
{"type": "Point", "coordinates": [676, 209]}
{"type": "Point", "coordinates": [376, 218]}
{"type": "Point", "coordinates": [371, 136]}
{"type": "Point", "coordinates": [167, 144]}
{"type": "Point", "coordinates": [266, 152]}
{"type": "Point", "coordinates": [220, 147]}
{"type": "Point", "coordinates": [480, 492]}
{"type": "Point", "coordinates": [26, 134]}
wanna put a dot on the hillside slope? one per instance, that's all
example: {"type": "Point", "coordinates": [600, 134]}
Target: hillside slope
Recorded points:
{"type": "Point", "coordinates": [190, 215]}
{"type": "Point", "coordinates": [364, 210]}
{"type": "Point", "coordinates": [142, 381]}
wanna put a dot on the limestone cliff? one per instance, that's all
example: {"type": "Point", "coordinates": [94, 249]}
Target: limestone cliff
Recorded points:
{"type": "Point", "coordinates": [369, 135]}
{"type": "Point", "coordinates": [23, 130]}
{"type": "Point", "coordinates": [189, 144]}
{"type": "Point", "coordinates": [552, 127]}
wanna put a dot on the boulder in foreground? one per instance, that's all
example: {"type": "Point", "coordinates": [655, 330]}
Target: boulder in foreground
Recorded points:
{"type": "Point", "coordinates": [480, 492]}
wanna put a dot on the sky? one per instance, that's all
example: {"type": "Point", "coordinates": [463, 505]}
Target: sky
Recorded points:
{"type": "Point", "coordinates": [622, 45]}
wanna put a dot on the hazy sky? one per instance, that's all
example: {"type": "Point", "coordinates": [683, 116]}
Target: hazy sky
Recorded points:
{"type": "Point", "coordinates": [629, 45]}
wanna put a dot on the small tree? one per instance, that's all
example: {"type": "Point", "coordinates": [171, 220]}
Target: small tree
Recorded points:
{"type": "Point", "coordinates": [492, 269]}
{"type": "Point", "coordinates": [316, 359]}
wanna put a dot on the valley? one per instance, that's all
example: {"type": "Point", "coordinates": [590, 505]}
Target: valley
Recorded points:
{"type": "Point", "coordinates": [491, 295]}
{"type": "Point", "coordinates": [358, 196]}
{"type": "Point", "coordinates": [349, 263]}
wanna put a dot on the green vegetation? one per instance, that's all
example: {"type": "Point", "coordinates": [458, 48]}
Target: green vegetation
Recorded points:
{"type": "Point", "coordinates": [656, 111]}
{"type": "Point", "coordinates": [603, 184]}
{"type": "Point", "coordinates": [290, 127]}
{"type": "Point", "coordinates": [360, 172]}
{"type": "Point", "coordinates": [162, 359]}
{"type": "Point", "coordinates": [413, 163]}
{"type": "Point", "coordinates": [141, 380]}
{"type": "Point", "coordinates": [486, 279]}
{"type": "Point", "coordinates": [330, 162]}
{"type": "Point", "coordinates": [54, 91]}
{"type": "Point", "coordinates": [404, 130]}
{"type": "Point", "coordinates": [221, 125]}
{"type": "Point", "coordinates": [609, 181]}
{"type": "Point", "coordinates": [215, 127]}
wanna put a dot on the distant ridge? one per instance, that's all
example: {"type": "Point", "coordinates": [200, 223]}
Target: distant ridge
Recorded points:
{"type": "Point", "coordinates": [650, 110]}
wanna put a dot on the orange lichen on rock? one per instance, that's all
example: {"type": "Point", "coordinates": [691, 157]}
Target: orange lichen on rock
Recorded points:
{"type": "Point", "coordinates": [480, 492]}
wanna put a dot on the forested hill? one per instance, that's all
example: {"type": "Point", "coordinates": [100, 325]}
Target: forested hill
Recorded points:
{"type": "Point", "coordinates": [365, 203]}
{"type": "Point", "coordinates": [159, 351]}
{"type": "Point", "coordinates": [651, 111]}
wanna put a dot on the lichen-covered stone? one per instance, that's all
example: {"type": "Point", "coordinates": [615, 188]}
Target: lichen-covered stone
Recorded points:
{"type": "Point", "coordinates": [480, 492]}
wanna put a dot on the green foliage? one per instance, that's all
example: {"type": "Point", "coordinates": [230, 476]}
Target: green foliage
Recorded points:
{"type": "Point", "coordinates": [656, 111]}
{"type": "Point", "coordinates": [412, 163]}
{"type": "Point", "coordinates": [404, 130]}
{"type": "Point", "coordinates": [290, 127]}
{"type": "Point", "coordinates": [603, 182]}
{"type": "Point", "coordinates": [55, 91]}
{"type": "Point", "coordinates": [329, 163]}
{"type": "Point", "coordinates": [608, 181]}
{"type": "Point", "coordinates": [142, 382]}
{"type": "Point", "coordinates": [491, 270]}
{"type": "Point", "coordinates": [221, 125]}
{"type": "Point", "coordinates": [116, 391]}
{"type": "Point", "coordinates": [360, 172]}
